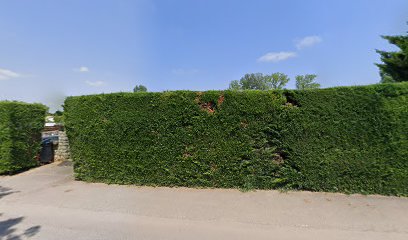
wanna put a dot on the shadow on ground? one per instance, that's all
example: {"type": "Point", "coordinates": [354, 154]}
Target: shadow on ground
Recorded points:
{"type": "Point", "coordinates": [65, 164]}
{"type": "Point", "coordinates": [9, 226]}
{"type": "Point", "coordinates": [8, 229]}
{"type": "Point", "coordinates": [4, 191]}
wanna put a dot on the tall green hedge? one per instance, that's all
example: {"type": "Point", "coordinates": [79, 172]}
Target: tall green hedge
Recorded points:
{"type": "Point", "coordinates": [20, 135]}
{"type": "Point", "coordinates": [347, 139]}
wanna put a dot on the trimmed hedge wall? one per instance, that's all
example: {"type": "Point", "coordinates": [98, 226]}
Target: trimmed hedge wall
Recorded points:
{"type": "Point", "coordinates": [347, 139]}
{"type": "Point", "coordinates": [20, 135]}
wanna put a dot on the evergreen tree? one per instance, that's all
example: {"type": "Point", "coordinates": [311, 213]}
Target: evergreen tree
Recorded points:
{"type": "Point", "coordinates": [395, 64]}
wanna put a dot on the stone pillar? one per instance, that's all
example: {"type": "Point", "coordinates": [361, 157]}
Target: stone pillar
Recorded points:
{"type": "Point", "coordinates": [62, 153]}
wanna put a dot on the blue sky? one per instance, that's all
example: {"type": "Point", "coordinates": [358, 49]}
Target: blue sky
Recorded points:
{"type": "Point", "coordinates": [52, 49]}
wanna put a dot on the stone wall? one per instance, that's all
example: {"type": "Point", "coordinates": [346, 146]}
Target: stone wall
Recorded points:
{"type": "Point", "coordinates": [62, 153]}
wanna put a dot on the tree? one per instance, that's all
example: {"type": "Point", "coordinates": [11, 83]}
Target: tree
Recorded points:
{"type": "Point", "coordinates": [306, 82]}
{"type": "Point", "coordinates": [395, 64]}
{"type": "Point", "coordinates": [58, 113]}
{"type": "Point", "coordinates": [234, 85]}
{"type": "Point", "coordinates": [277, 80]}
{"type": "Point", "coordinates": [140, 88]}
{"type": "Point", "coordinates": [254, 81]}
{"type": "Point", "coordinates": [58, 116]}
{"type": "Point", "coordinates": [259, 81]}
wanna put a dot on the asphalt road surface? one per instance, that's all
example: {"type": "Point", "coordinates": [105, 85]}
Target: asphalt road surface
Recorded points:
{"type": "Point", "coordinates": [46, 203]}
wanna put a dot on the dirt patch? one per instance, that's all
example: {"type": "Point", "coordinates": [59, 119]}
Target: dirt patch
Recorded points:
{"type": "Point", "coordinates": [290, 100]}
{"type": "Point", "coordinates": [220, 100]}
{"type": "Point", "coordinates": [279, 158]}
{"type": "Point", "coordinates": [244, 124]}
{"type": "Point", "coordinates": [213, 167]}
{"type": "Point", "coordinates": [198, 97]}
{"type": "Point", "coordinates": [209, 107]}
{"type": "Point", "coordinates": [187, 155]}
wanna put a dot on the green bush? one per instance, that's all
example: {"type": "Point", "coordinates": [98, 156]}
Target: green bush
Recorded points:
{"type": "Point", "coordinates": [20, 135]}
{"type": "Point", "coordinates": [347, 139]}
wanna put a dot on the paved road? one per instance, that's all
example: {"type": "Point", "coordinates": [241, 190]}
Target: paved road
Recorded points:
{"type": "Point", "coordinates": [45, 203]}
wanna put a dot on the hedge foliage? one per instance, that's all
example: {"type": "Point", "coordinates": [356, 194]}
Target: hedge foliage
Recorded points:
{"type": "Point", "coordinates": [20, 135]}
{"type": "Point", "coordinates": [346, 139]}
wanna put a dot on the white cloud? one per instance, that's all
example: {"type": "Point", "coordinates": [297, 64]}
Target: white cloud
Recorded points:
{"type": "Point", "coordinates": [276, 56]}
{"type": "Point", "coordinates": [95, 83]}
{"type": "Point", "coordinates": [308, 41]}
{"type": "Point", "coordinates": [182, 71]}
{"type": "Point", "coordinates": [81, 69]}
{"type": "Point", "coordinates": [8, 74]}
